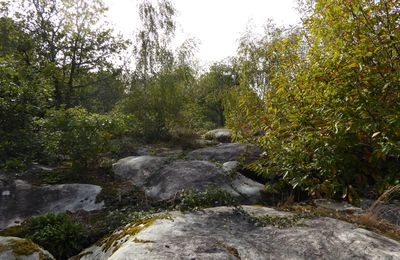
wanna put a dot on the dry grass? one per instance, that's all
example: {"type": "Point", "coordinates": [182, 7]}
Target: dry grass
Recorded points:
{"type": "Point", "coordinates": [372, 219]}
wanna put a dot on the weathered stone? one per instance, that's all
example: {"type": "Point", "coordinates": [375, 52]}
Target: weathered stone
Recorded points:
{"type": "Point", "coordinates": [231, 166]}
{"type": "Point", "coordinates": [389, 212]}
{"type": "Point", "coordinates": [224, 233]}
{"type": "Point", "coordinates": [336, 206]}
{"type": "Point", "coordinates": [225, 152]}
{"type": "Point", "coordinates": [221, 135]}
{"type": "Point", "coordinates": [252, 191]}
{"type": "Point", "coordinates": [186, 175]}
{"type": "Point", "coordinates": [14, 248]}
{"type": "Point", "coordinates": [23, 200]}
{"type": "Point", "coordinates": [138, 169]}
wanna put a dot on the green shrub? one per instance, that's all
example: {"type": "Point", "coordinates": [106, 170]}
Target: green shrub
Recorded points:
{"type": "Point", "coordinates": [79, 136]}
{"type": "Point", "coordinates": [57, 233]}
{"type": "Point", "coordinates": [211, 197]}
{"type": "Point", "coordinates": [329, 100]}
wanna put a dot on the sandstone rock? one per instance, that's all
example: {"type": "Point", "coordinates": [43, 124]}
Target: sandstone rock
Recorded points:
{"type": "Point", "coordinates": [221, 135]}
{"type": "Point", "coordinates": [225, 152]}
{"type": "Point", "coordinates": [23, 200]}
{"type": "Point", "coordinates": [225, 233]}
{"type": "Point", "coordinates": [186, 175]}
{"type": "Point", "coordinates": [231, 166]}
{"type": "Point", "coordinates": [17, 248]}
{"type": "Point", "coordinates": [138, 169]}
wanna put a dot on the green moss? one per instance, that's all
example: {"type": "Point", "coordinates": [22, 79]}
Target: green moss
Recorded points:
{"type": "Point", "coordinates": [130, 230]}
{"type": "Point", "coordinates": [3, 248]}
{"type": "Point", "coordinates": [14, 231]}
{"type": "Point", "coordinates": [141, 241]}
{"type": "Point", "coordinates": [23, 247]}
{"type": "Point", "coordinates": [279, 222]}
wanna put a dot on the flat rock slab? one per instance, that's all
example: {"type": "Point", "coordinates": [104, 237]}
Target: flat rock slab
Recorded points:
{"type": "Point", "coordinates": [225, 152]}
{"type": "Point", "coordinates": [14, 248]}
{"type": "Point", "coordinates": [226, 233]}
{"type": "Point", "coordinates": [336, 206]}
{"type": "Point", "coordinates": [22, 200]}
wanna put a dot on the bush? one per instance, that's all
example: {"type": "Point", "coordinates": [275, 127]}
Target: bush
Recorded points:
{"type": "Point", "coordinates": [211, 197]}
{"type": "Point", "coordinates": [57, 233]}
{"type": "Point", "coordinates": [329, 93]}
{"type": "Point", "coordinates": [79, 136]}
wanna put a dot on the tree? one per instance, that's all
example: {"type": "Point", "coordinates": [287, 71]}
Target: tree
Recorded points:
{"type": "Point", "coordinates": [213, 87]}
{"type": "Point", "coordinates": [72, 42]}
{"type": "Point", "coordinates": [330, 104]}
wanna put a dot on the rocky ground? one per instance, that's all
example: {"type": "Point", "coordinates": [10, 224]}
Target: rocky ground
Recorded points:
{"type": "Point", "coordinates": [131, 210]}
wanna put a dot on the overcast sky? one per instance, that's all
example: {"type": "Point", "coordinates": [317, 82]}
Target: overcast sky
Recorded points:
{"type": "Point", "coordinates": [218, 24]}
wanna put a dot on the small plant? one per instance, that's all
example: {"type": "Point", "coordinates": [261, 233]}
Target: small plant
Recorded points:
{"type": "Point", "coordinates": [211, 197]}
{"type": "Point", "coordinates": [57, 233]}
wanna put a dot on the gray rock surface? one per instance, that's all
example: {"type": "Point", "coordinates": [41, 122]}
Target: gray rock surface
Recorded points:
{"type": "Point", "coordinates": [225, 233]}
{"type": "Point", "coordinates": [13, 248]}
{"type": "Point", "coordinates": [138, 169]}
{"type": "Point", "coordinates": [231, 166]}
{"type": "Point", "coordinates": [225, 152]}
{"type": "Point", "coordinates": [389, 211]}
{"type": "Point", "coordinates": [22, 200]}
{"type": "Point", "coordinates": [187, 175]}
{"type": "Point", "coordinates": [200, 175]}
{"type": "Point", "coordinates": [221, 135]}
{"type": "Point", "coordinates": [337, 206]}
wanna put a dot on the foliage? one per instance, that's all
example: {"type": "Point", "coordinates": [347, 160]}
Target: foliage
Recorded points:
{"type": "Point", "coordinates": [79, 136]}
{"type": "Point", "coordinates": [329, 94]}
{"type": "Point", "coordinates": [71, 41]}
{"type": "Point", "coordinates": [57, 233]}
{"type": "Point", "coordinates": [212, 90]}
{"type": "Point", "coordinates": [23, 96]}
{"type": "Point", "coordinates": [211, 197]}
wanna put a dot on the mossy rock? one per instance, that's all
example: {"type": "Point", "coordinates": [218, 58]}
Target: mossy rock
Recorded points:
{"type": "Point", "coordinates": [15, 248]}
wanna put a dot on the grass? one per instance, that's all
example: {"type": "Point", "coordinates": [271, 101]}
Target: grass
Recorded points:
{"type": "Point", "coordinates": [372, 219]}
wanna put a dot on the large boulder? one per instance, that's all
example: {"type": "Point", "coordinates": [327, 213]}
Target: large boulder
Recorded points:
{"type": "Point", "coordinates": [199, 176]}
{"type": "Point", "coordinates": [187, 175]}
{"type": "Point", "coordinates": [14, 248]}
{"type": "Point", "coordinates": [221, 135]}
{"type": "Point", "coordinates": [138, 169]}
{"type": "Point", "coordinates": [250, 233]}
{"type": "Point", "coordinates": [226, 152]}
{"type": "Point", "coordinates": [22, 200]}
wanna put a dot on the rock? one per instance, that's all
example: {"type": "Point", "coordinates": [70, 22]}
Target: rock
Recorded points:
{"type": "Point", "coordinates": [252, 191]}
{"type": "Point", "coordinates": [221, 135]}
{"type": "Point", "coordinates": [226, 233]}
{"type": "Point", "coordinates": [17, 248]}
{"type": "Point", "coordinates": [389, 212]}
{"type": "Point", "coordinates": [24, 200]}
{"type": "Point", "coordinates": [138, 169]}
{"type": "Point", "coordinates": [231, 166]}
{"type": "Point", "coordinates": [38, 168]}
{"type": "Point", "coordinates": [186, 175]}
{"type": "Point", "coordinates": [225, 152]}
{"type": "Point", "coordinates": [157, 151]}
{"type": "Point", "coordinates": [336, 206]}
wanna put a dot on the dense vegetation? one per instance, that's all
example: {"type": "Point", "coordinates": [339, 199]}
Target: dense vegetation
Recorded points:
{"type": "Point", "coordinates": [322, 98]}
{"type": "Point", "coordinates": [328, 98]}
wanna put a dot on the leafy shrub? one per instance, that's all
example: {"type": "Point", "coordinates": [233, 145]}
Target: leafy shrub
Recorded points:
{"type": "Point", "coordinates": [21, 100]}
{"type": "Point", "coordinates": [329, 99]}
{"type": "Point", "coordinates": [211, 197]}
{"type": "Point", "coordinates": [79, 136]}
{"type": "Point", "coordinates": [57, 233]}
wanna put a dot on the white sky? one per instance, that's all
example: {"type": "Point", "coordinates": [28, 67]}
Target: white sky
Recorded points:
{"type": "Point", "coordinates": [218, 24]}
